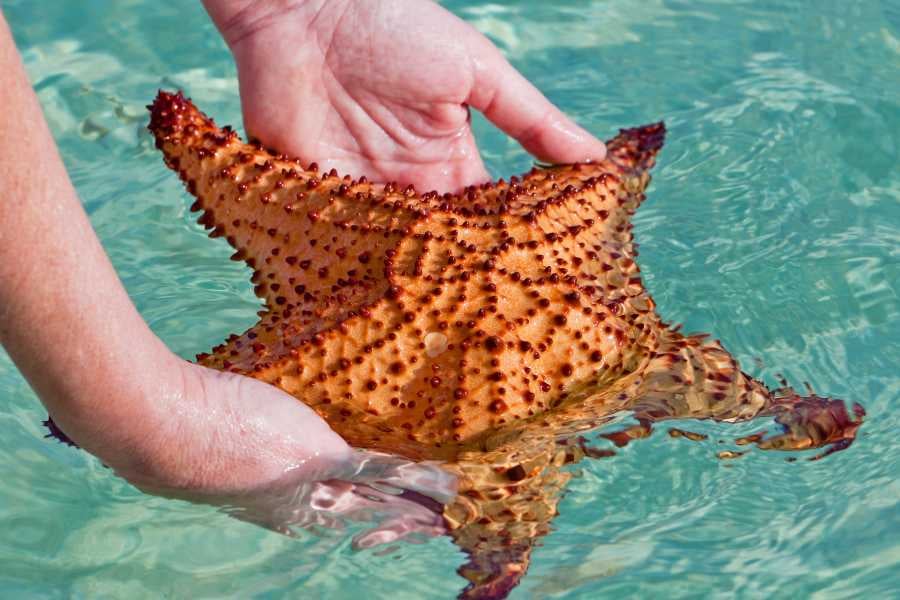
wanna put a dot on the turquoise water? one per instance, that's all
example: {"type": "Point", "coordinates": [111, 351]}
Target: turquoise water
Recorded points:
{"type": "Point", "coordinates": [773, 222]}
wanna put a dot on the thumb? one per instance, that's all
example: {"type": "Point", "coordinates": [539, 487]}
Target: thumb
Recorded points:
{"type": "Point", "coordinates": [513, 104]}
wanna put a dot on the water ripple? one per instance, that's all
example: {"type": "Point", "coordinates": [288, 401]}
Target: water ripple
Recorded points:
{"type": "Point", "coordinates": [773, 222]}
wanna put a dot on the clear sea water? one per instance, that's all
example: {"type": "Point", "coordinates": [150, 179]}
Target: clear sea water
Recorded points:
{"type": "Point", "coordinates": [773, 222]}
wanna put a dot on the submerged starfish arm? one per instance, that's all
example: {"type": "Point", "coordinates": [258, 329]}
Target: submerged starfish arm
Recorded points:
{"type": "Point", "coordinates": [513, 483]}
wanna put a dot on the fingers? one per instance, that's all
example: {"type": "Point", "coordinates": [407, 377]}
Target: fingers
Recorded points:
{"type": "Point", "coordinates": [404, 527]}
{"type": "Point", "coordinates": [423, 478]}
{"type": "Point", "coordinates": [331, 504]}
{"type": "Point", "coordinates": [396, 518]}
{"type": "Point", "coordinates": [514, 105]}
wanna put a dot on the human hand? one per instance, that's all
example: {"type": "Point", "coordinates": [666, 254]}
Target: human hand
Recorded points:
{"type": "Point", "coordinates": [382, 88]}
{"type": "Point", "coordinates": [267, 458]}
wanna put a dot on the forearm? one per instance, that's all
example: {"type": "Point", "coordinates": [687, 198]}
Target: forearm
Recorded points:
{"type": "Point", "coordinates": [65, 318]}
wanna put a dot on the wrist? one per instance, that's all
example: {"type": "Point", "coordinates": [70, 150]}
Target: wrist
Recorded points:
{"type": "Point", "coordinates": [117, 411]}
{"type": "Point", "coordinates": [150, 434]}
{"type": "Point", "coordinates": [237, 20]}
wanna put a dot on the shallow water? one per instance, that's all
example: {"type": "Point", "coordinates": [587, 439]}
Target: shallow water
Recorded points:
{"type": "Point", "coordinates": [773, 222]}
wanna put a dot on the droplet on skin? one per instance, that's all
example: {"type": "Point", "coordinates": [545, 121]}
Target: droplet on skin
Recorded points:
{"type": "Point", "coordinates": [435, 344]}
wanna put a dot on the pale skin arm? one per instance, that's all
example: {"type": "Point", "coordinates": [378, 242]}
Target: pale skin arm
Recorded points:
{"type": "Point", "coordinates": [107, 380]}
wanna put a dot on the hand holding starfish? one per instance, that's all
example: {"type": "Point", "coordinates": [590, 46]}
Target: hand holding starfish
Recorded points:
{"type": "Point", "coordinates": [382, 88]}
{"type": "Point", "coordinates": [113, 387]}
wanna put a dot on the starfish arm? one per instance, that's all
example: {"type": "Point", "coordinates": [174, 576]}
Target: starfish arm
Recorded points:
{"type": "Point", "coordinates": [601, 196]}
{"type": "Point", "coordinates": [509, 495]}
{"type": "Point", "coordinates": [500, 534]}
{"type": "Point", "coordinates": [693, 377]}
{"type": "Point", "coordinates": [504, 507]}
{"type": "Point", "coordinates": [316, 242]}
{"type": "Point", "coordinates": [584, 233]}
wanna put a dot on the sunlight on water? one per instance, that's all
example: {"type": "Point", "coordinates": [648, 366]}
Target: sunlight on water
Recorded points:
{"type": "Point", "coordinates": [773, 222]}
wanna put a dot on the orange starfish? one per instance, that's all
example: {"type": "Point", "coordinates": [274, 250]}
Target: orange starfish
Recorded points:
{"type": "Point", "coordinates": [485, 329]}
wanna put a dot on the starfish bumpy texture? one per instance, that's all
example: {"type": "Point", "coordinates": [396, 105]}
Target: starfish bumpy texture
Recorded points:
{"type": "Point", "coordinates": [485, 329]}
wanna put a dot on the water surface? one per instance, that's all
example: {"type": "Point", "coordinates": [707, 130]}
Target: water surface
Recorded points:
{"type": "Point", "coordinates": [773, 222]}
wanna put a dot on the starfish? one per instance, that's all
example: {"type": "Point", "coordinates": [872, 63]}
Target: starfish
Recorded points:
{"type": "Point", "coordinates": [487, 329]}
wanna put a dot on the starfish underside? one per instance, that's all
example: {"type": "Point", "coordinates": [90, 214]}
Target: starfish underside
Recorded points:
{"type": "Point", "coordinates": [485, 329]}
